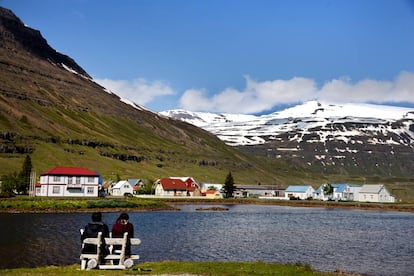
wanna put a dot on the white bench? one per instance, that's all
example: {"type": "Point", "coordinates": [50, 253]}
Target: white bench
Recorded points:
{"type": "Point", "coordinates": [90, 261]}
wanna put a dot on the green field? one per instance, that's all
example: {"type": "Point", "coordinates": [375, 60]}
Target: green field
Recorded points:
{"type": "Point", "coordinates": [180, 268]}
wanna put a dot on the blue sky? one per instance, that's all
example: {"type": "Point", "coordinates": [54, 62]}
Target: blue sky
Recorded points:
{"type": "Point", "coordinates": [235, 56]}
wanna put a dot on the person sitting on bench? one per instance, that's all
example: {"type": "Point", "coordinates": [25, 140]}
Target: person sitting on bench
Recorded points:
{"type": "Point", "coordinates": [121, 226]}
{"type": "Point", "coordinates": [91, 230]}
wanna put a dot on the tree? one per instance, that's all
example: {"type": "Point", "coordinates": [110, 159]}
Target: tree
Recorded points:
{"type": "Point", "coordinates": [8, 184]}
{"type": "Point", "coordinates": [328, 189]}
{"type": "Point", "coordinates": [147, 189]}
{"type": "Point", "coordinates": [229, 185]}
{"type": "Point", "coordinates": [22, 186]}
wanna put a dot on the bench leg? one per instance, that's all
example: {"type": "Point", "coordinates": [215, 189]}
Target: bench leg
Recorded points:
{"type": "Point", "coordinates": [83, 264]}
{"type": "Point", "coordinates": [92, 263]}
{"type": "Point", "coordinates": [128, 263]}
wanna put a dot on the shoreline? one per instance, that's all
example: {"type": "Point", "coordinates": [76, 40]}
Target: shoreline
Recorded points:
{"type": "Point", "coordinates": [397, 207]}
{"type": "Point", "coordinates": [391, 207]}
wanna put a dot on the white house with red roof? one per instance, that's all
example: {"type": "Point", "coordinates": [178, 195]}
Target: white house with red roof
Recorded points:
{"type": "Point", "coordinates": [68, 181]}
{"type": "Point", "coordinates": [177, 186]}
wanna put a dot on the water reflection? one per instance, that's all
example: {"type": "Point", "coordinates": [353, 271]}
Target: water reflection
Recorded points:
{"type": "Point", "coordinates": [371, 242]}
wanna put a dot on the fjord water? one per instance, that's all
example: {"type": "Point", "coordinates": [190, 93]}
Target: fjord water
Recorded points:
{"type": "Point", "coordinates": [368, 242]}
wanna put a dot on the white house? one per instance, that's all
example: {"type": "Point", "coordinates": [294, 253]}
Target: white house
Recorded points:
{"type": "Point", "coordinates": [68, 181]}
{"type": "Point", "coordinates": [375, 193]}
{"type": "Point", "coordinates": [348, 192]}
{"type": "Point", "coordinates": [122, 188]}
{"type": "Point", "coordinates": [340, 192]}
{"type": "Point", "coordinates": [299, 191]}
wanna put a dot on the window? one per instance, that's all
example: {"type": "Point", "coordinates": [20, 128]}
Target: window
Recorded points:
{"type": "Point", "coordinates": [56, 178]}
{"type": "Point", "coordinates": [90, 190]}
{"type": "Point", "coordinates": [70, 180]}
{"type": "Point", "coordinates": [78, 180]}
{"type": "Point", "coordinates": [56, 190]}
{"type": "Point", "coordinates": [91, 179]}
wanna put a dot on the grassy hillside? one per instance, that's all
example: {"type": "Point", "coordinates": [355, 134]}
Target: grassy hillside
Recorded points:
{"type": "Point", "coordinates": [63, 119]}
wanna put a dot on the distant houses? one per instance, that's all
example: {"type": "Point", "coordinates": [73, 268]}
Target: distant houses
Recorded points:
{"type": "Point", "coordinates": [82, 182]}
{"type": "Point", "coordinates": [342, 192]}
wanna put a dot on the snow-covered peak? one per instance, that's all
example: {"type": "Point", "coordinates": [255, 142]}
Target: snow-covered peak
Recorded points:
{"type": "Point", "coordinates": [202, 119]}
{"type": "Point", "coordinates": [237, 129]}
{"type": "Point", "coordinates": [327, 110]}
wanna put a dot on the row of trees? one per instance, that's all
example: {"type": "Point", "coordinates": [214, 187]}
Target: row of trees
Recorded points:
{"type": "Point", "coordinates": [17, 182]}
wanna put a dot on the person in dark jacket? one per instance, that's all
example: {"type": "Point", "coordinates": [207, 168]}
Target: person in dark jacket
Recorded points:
{"type": "Point", "coordinates": [121, 226]}
{"type": "Point", "coordinates": [91, 230]}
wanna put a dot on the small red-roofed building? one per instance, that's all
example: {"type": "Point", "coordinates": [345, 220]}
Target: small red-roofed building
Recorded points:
{"type": "Point", "coordinates": [68, 182]}
{"type": "Point", "coordinates": [212, 194]}
{"type": "Point", "coordinates": [177, 186]}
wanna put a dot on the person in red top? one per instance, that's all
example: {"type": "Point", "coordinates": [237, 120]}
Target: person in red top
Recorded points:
{"type": "Point", "coordinates": [121, 226]}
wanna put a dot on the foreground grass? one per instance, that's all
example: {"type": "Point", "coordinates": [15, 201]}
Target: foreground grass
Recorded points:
{"type": "Point", "coordinates": [39, 204]}
{"type": "Point", "coordinates": [176, 268]}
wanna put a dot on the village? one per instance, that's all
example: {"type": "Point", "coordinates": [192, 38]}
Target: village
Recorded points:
{"type": "Point", "coordinates": [82, 182]}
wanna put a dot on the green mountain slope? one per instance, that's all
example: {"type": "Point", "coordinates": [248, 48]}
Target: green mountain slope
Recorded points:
{"type": "Point", "coordinates": [61, 117]}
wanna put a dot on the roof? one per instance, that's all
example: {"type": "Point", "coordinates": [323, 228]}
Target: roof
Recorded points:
{"type": "Point", "coordinates": [339, 188]}
{"type": "Point", "coordinates": [173, 184]}
{"type": "Point", "coordinates": [73, 171]}
{"type": "Point", "coordinates": [371, 188]}
{"type": "Point", "coordinates": [298, 188]}
{"type": "Point", "coordinates": [120, 184]}
{"type": "Point", "coordinates": [178, 184]}
{"type": "Point", "coordinates": [257, 187]}
{"type": "Point", "coordinates": [134, 181]}
{"type": "Point", "coordinates": [211, 192]}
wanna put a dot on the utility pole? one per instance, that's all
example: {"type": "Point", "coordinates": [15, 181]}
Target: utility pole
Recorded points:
{"type": "Point", "coordinates": [32, 185]}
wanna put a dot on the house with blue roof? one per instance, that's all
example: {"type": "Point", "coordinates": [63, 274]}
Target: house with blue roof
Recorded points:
{"type": "Point", "coordinates": [341, 191]}
{"type": "Point", "coordinates": [299, 191]}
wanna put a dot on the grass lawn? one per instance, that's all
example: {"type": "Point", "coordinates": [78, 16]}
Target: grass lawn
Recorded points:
{"type": "Point", "coordinates": [177, 268]}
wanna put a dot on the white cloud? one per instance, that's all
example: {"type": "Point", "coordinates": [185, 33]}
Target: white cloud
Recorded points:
{"type": "Point", "coordinates": [196, 100]}
{"type": "Point", "coordinates": [261, 96]}
{"type": "Point", "coordinates": [139, 90]}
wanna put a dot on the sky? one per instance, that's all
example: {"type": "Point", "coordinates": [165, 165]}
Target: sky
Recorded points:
{"type": "Point", "coordinates": [235, 56]}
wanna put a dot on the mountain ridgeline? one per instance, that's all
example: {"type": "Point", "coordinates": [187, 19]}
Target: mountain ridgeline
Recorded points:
{"type": "Point", "coordinates": [52, 110]}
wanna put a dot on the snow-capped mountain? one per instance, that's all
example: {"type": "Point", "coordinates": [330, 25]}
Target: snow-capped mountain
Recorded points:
{"type": "Point", "coordinates": [317, 133]}
{"type": "Point", "coordinates": [238, 129]}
